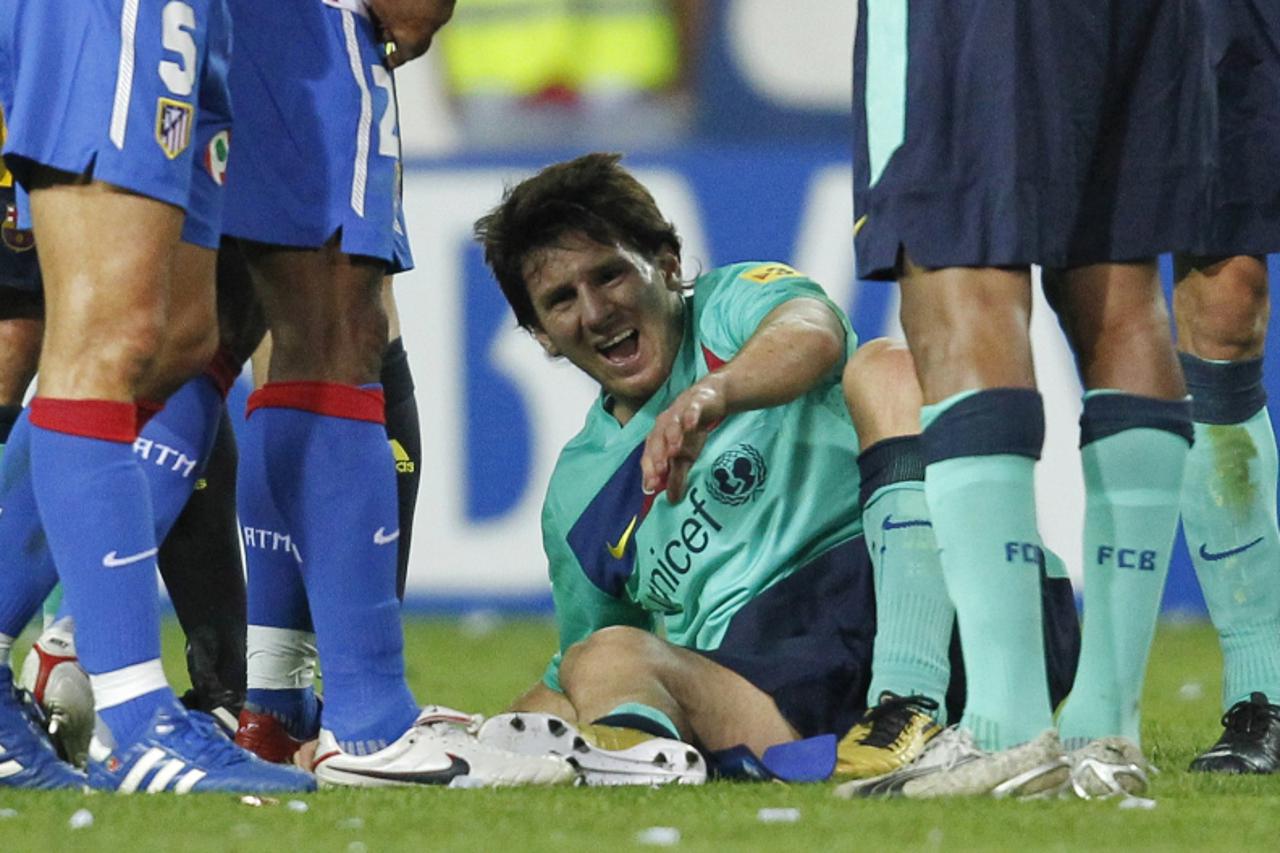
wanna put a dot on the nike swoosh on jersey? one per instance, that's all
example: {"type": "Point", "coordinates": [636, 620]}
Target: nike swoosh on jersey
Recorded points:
{"type": "Point", "coordinates": [1214, 556]}
{"type": "Point", "coordinates": [457, 767]}
{"type": "Point", "coordinates": [382, 537]}
{"type": "Point", "coordinates": [111, 561]}
{"type": "Point", "coordinates": [890, 524]}
{"type": "Point", "coordinates": [616, 551]}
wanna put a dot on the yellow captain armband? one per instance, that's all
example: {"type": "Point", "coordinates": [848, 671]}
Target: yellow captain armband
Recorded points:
{"type": "Point", "coordinates": [766, 273]}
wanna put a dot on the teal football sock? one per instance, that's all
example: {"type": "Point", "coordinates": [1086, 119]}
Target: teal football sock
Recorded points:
{"type": "Point", "coordinates": [914, 616]}
{"type": "Point", "coordinates": [981, 449]}
{"type": "Point", "coordinates": [645, 718]}
{"type": "Point", "coordinates": [1229, 515]}
{"type": "Point", "coordinates": [1133, 450]}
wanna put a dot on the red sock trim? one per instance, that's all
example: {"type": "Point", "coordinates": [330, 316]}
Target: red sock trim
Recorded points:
{"type": "Point", "coordinates": [223, 370]}
{"type": "Point", "coordinates": [104, 419]}
{"type": "Point", "coordinates": [147, 409]}
{"type": "Point", "coordinates": [322, 398]}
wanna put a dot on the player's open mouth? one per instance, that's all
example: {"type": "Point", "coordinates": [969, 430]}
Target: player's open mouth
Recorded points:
{"type": "Point", "coordinates": [621, 348]}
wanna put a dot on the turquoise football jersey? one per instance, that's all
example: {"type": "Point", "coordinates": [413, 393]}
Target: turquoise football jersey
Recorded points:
{"type": "Point", "coordinates": [771, 490]}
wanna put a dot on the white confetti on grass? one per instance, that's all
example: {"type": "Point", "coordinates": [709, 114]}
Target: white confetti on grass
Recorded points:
{"type": "Point", "coordinates": [786, 815]}
{"type": "Point", "coordinates": [297, 806]}
{"type": "Point", "coordinates": [659, 836]}
{"type": "Point", "coordinates": [82, 819]}
{"type": "Point", "coordinates": [1137, 803]}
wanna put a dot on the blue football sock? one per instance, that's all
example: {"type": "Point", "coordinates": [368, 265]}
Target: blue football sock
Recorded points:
{"type": "Point", "coordinates": [281, 640]}
{"type": "Point", "coordinates": [332, 476]}
{"type": "Point", "coordinates": [1229, 514]}
{"type": "Point", "coordinates": [171, 449]}
{"type": "Point", "coordinates": [96, 510]}
{"type": "Point", "coordinates": [174, 446]}
{"type": "Point", "coordinates": [26, 568]}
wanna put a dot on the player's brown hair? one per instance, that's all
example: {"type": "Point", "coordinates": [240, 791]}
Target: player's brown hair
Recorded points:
{"type": "Point", "coordinates": [591, 195]}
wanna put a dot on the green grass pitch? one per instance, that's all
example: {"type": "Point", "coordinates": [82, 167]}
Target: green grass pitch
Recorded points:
{"type": "Point", "coordinates": [479, 666]}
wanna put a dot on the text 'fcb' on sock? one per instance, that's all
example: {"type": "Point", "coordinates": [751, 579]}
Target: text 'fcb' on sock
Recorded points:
{"type": "Point", "coordinates": [980, 450]}
{"type": "Point", "coordinates": [1133, 450]}
{"type": "Point", "coordinates": [95, 506]}
{"type": "Point", "coordinates": [1229, 515]}
{"type": "Point", "coordinates": [332, 478]}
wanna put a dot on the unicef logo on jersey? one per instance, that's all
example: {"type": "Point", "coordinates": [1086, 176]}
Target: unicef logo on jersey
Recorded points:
{"type": "Point", "coordinates": [737, 476]}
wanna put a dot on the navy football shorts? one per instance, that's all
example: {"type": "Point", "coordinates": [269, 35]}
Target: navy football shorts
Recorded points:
{"type": "Point", "coordinates": [807, 641]}
{"type": "Point", "coordinates": [1244, 53]}
{"type": "Point", "coordinates": [1017, 132]}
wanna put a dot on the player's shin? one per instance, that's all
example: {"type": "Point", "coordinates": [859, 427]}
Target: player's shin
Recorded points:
{"type": "Point", "coordinates": [914, 615]}
{"type": "Point", "coordinates": [1229, 515]}
{"type": "Point", "coordinates": [281, 709]}
{"type": "Point", "coordinates": [405, 435]}
{"type": "Point", "coordinates": [1133, 450]}
{"type": "Point", "coordinates": [333, 477]}
{"type": "Point", "coordinates": [27, 574]}
{"type": "Point", "coordinates": [980, 450]}
{"type": "Point", "coordinates": [96, 511]}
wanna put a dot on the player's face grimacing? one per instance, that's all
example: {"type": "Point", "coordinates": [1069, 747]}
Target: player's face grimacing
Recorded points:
{"type": "Point", "coordinates": [612, 312]}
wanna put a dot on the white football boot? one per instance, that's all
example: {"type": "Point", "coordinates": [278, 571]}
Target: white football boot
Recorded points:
{"type": "Point", "coordinates": [52, 674]}
{"type": "Point", "coordinates": [606, 755]}
{"type": "Point", "coordinates": [953, 766]}
{"type": "Point", "coordinates": [1109, 767]}
{"type": "Point", "coordinates": [440, 748]}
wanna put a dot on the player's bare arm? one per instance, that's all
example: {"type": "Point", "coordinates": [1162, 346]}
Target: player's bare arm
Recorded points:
{"type": "Point", "coordinates": [795, 346]}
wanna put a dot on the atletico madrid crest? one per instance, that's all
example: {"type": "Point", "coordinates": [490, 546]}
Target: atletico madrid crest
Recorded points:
{"type": "Point", "coordinates": [174, 121]}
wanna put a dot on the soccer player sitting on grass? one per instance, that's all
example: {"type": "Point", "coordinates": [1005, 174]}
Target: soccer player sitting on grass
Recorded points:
{"type": "Point", "coordinates": [705, 529]}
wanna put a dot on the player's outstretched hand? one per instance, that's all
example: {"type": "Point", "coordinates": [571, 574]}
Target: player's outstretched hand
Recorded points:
{"type": "Point", "coordinates": [679, 434]}
{"type": "Point", "coordinates": [409, 25]}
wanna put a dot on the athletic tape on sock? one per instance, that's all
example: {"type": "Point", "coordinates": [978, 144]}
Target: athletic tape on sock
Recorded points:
{"type": "Point", "coordinates": [121, 685]}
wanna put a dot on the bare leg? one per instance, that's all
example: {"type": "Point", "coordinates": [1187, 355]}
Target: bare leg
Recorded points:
{"type": "Point", "coordinates": [1135, 434]}
{"type": "Point", "coordinates": [1228, 505]}
{"type": "Point", "coordinates": [706, 701]}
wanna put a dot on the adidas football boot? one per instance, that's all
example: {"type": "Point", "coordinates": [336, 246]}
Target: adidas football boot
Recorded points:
{"type": "Point", "coordinates": [182, 753]}
{"type": "Point", "coordinates": [890, 735]}
{"type": "Point", "coordinates": [605, 755]}
{"type": "Point", "coordinates": [440, 748]}
{"type": "Point", "coordinates": [1250, 741]}
{"type": "Point", "coordinates": [27, 760]}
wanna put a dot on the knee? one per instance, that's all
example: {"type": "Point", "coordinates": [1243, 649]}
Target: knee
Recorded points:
{"type": "Point", "coordinates": [189, 345]}
{"type": "Point", "coordinates": [1222, 306]}
{"type": "Point", "coordinates": [618, 648]}
{"type": "Point", "coordinates": [882, 391]}
{"type": "Point", "coordinates": [103, 360]}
